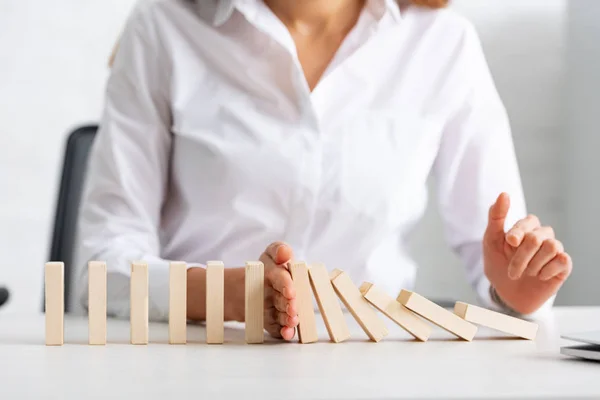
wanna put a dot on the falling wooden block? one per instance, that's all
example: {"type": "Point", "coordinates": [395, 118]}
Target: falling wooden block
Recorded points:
{"type": "Point", "coordinates": [97, 302]}
{"type": "Point", "coordinates": [177, 303]}
{"type": "Point", "coordinates": [139, 303]}
{"type": "Point", "coordinates": [215, 302]}
{"type": "Point", "coordinates": [330, 308]}
{"type": "Point", "coordinates": [54, 284]}
{"type": "Point", "coordinates": [495, 320]}
{"type": "Point", "coordinates": [437, 315]}
{"type": "Point", "coordinates": [405, 318]}
{"type": "Point", "coordinates": [255, 302]}
{"type": "Point", "coordinates": [307, 324]}
{"type": "Point", "coordinates": [358, 306]}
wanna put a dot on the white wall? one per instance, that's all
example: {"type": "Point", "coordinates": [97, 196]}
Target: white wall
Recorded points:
{"type": "Point", "coordinates": [53, 57]}
{"type": "Point", "coordinates": [52, 73]}
{"type": "Point", "coordinates": [582, 145]}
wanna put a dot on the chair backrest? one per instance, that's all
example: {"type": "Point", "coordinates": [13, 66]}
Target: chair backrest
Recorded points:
{"type": "Point", "coordinates": [72, 181]}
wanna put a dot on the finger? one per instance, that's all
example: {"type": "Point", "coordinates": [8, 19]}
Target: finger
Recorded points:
{"type": "Point", "coordinates": [530, 245]}
{"type": "Point", "coordinates": [550, 249]}
{"type": "Point", "coordinates": [287, 333]}
{"type": "Point", "coordinates": [274, 330]}
{"type": "Point", "coordinates": [516, 234]}
{"type": "Point", "coordinates": [285, 320]}
{"type": "Point", "coordinates": [282, 282]}
{"type": "Point", "coordinates": [497, 216]}
{"type": "Point", "coordinates": [271, 324]}
{"type": "Point", "coordinates": [560, 267]}
{"type": "Point", "coordinates": [285, 305]}
{"type": "Point", "coordinates": [279, 252]}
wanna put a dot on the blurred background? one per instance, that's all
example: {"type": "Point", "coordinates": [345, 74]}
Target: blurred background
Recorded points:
{"type": "Point", "coordinates": [544, 54]}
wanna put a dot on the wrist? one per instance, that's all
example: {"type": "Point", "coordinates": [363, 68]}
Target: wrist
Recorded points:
{"type": "Point", "coordinates": [235, 294]}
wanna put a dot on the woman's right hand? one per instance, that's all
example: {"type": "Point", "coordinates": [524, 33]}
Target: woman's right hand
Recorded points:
{"type": "Point", "coordinates": [281, 312]}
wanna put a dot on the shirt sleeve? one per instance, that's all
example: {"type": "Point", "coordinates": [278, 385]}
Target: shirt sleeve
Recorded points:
{"type": "Point", "coordinates": [476, 162]}
{"type": "Point", "coordinates": [128, 172]}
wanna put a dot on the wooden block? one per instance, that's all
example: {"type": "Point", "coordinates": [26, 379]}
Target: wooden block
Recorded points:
{"type": "Point", "coordinates": [358, 306]}
{"type": "Point", "coordinates": [97, 302]}
{"type": "Point", "coordinates": [495, 320]}
{"type": "Point", "coordinates": [255, 302]}
{"type": "Point", "coordinates": [307, 324]}
{"type": "Point", "coordinates": [177, 303]}
{"type": "Point", "coordinates": [405, 318]}
{"type": "Point", "coordinates": [54, 280]}
{"type": "Point", "coordinates": [215, 302]}
{"type": "Point", "coordinates": [437, 315]}
{"type": "Point", "coordinates": [139, 303]}
{"type": "Point", "coordinates": [330, 308]}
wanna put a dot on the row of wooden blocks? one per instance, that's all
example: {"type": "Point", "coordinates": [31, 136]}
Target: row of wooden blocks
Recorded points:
{"type": "Point", "coordinates": [326, 287]}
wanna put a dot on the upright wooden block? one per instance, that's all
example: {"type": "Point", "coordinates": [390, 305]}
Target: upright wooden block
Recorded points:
{"type": "Point", "coordinates": [97, 302]}
{"type": "Point", "coordinates": [495, 320]}
{"type": "Point", "coordinates": [358, 306]}
{"type": "Point", "coordinates": [255, 302]}
{"type": "Point", "coordinates": [307, 324]}
{"type": "Point", "coordinates": [177, 303]}
{"type": "Point", "coordinates": [437, 315]}
{"type": "Point", "coordinates": [54, 279]}
{"type": "Point", "coordinates": [406, 319]}
{"type": "Point", "coordinates": [330, 308]}
{"type": "Point", "coordinates": [215, 302]}
{"type": "Point", "coordinates": [139, 303]}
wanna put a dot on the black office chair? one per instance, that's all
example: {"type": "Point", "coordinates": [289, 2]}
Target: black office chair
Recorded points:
{"type": "Point", "coordinates": [4, 295]}
{"type": "Point", "coordinates": [74, 169]}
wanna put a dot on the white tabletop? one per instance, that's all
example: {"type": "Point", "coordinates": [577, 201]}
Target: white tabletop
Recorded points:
{"type": "Point", "coordinates": [397, 367]}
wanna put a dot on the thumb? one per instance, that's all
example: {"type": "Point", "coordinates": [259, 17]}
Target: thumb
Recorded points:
{"type": "Point", "coordinates": [280, 252]}
{"type": "Point", "coordinates": [497, 217]}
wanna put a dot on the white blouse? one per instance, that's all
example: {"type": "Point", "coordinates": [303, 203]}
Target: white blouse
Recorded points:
{"type": "Point", "coordinates": [212, 146]}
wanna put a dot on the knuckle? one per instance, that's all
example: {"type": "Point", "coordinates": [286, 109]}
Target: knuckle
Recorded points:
{"type": "Point", "coordinates": [532, 239]}
{"type": "Point", "coordinates": [568, 260]}
{"type": "Point", "coordinates": [551, 246]}
{"type": "Point", "coordinates": [569, 266]}
{"type": "Point", "coordinates": [282, 319]}
{"type": "Point", "coordinates": [533, 219]}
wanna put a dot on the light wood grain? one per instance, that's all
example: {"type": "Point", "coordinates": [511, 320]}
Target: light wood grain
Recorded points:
{"type": "Point", "coordinates": [357, 305]}
{"type": "Point", "coordinates": [330, 308]}
{"type": "Point", "coordinates": [437, 315]}
{"type": "Point", "coordinates": [215, 302]}
{"type": "Point", "coordinates": [54, 286]}
{"type": "Point", "coordinates": [139, 303]}
{"type": "Point", "coordinates": [177, 303]}
{"type": "Point", "coordinates": [307, 324]}
{"type": "Point", "coordinates": [97, 302]}
{"type": "Point", "coordinates": [255, 302]}
{"type": "Point", "coordinates": [495, 320]}
{"type": "Point", "coordinates": [395, 311]}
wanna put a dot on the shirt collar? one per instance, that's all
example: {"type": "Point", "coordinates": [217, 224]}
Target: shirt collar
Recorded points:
{"type": "Point", "coordinates": [224, 8]}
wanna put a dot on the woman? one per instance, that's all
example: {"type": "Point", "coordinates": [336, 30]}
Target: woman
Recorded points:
{"type": "Point", "coordinates": [307, 130]}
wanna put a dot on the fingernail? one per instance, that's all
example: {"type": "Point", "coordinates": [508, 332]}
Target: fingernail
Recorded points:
{"type": "Point", "coordinates": [512, 273]}
{"type": "Point", "coordinates": [513, 237]}
{"type": "Point", "coordinates": [277, 252]}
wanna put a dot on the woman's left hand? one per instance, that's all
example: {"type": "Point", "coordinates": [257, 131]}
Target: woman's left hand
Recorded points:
{"type": "Point", "coordinates": [526, 265]}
